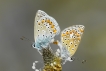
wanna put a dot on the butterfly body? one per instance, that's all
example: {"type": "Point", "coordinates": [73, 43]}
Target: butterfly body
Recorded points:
{"type": "Point", "coordinates": [45, 29]}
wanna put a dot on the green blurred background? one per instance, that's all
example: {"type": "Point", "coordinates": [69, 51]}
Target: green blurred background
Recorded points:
{"type": "Point", "coordinates": [17, 20]}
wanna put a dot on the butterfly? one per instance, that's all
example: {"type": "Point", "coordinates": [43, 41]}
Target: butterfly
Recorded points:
{"type": "Point", "coordinates": [45, 29]}
{"type": "Point", "coordinates": [70, 39]}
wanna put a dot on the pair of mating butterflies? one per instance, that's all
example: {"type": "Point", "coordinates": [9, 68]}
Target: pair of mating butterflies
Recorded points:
{"type": "Point", "coordinates": [46, 28]}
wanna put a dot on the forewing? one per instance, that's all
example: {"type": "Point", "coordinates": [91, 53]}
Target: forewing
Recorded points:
{"type": "Point", "coordinates": [39, 14]}
{"type": "Point", "coordinates": [45, 28]}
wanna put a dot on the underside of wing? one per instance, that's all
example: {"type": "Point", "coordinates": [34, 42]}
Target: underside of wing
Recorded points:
{"type": "Point", "coordinates": [38, 16]}
{"type": "Point", "coordinates": [71, 37]}
{"type": "Point", "coordinates": [45, 29]}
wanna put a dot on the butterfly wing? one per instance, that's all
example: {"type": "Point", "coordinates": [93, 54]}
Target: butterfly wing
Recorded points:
{"type": "Point", "coordinates": [45, 29]}
{"type": "Point", "coordinates": [71, 37]}
{"type": "Point", "coordinates": [39, 14]}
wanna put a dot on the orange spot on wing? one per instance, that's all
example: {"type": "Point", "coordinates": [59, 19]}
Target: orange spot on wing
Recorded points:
{"type": "Point", "coordinates": [55, 31]}
{"type": "Point", "coordinates": [38, 23]}
{"type": "Point", "coordinates": [52, 26]}
{"type": "Point", "coordinates": [77, 35]}
{"type": "Point", "coordinates": [43, 21]}
{"type": "Point", "coordinates": [73, 31]}
{"type": "Point", "coordinates": [70, 32]}
{"type": "Point", "coordinates": [63, 34]}
{"type": "Point", "coordinates": [79, 38]}
{"type": "Point", "coordinates": [67, 33]}
{"type": "Point", "coordinates": [48, 21]}
{"type": "Point", "coordinates": [81, 30]}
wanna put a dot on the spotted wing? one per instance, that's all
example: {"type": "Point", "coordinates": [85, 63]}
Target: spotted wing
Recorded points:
{"type": "Point", "coordinates": [39, 14]}
{"type": "Point", "coordinates": [71, 37]}
{"type": "Point", "coordinates": [45, 28]}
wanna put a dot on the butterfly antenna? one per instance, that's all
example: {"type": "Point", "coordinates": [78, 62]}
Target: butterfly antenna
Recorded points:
{"type": "Point", "coordinates": [79, 59]}
{"type": "Point", "coordinates": [26, 39]}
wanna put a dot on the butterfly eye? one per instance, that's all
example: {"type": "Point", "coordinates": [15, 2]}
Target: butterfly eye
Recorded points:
{"type": "Point", "coordinates": [33, 45]}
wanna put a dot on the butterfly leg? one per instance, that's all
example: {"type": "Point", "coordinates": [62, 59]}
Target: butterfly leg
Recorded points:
{"type": "Point", "coordinates": [58, 52]}
{"type": "Point", "coordinates": [40, 52]}
{"type": "Point", "coordinates": [69, 59]}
